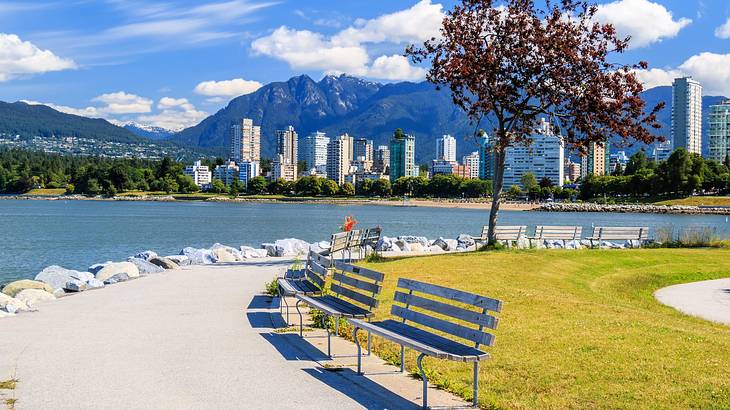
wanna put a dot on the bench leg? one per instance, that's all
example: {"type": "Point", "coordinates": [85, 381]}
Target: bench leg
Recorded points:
{"type": "Point", "coordinates": [329, 348]}
{"type": "Point", "coordinates": [476, 384]}
{"type": "Point", "coordinates": [301, 320]}
{"type": "Point", "coordinates": [359, 350]}
{"type": "Point", "coordinates": [419, 362]}
{"type": "Point", "coordinates": [282, 299]}
{"type": "Point", "coordinates": [402, 358]}
{"type": "Point", "coordinates": [369, 344]}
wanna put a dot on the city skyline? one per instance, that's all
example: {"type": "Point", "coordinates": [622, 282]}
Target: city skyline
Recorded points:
{"type": "Point", "coordinates": [132, 62]}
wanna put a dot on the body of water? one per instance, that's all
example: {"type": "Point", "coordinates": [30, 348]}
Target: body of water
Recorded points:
{"type": "Point", "coordinates": [77, 234]}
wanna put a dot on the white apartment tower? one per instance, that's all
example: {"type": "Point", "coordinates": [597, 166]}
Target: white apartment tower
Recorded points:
{"type": "Point", "coordinates": [200, 174]}
{"type": "Point", "coordinates": [313, 150]}
{"type": "Point", "coordinates": [472, 161]}
{"type": "Point", "coordinates": [719, 133]}
{"type": "Point", "coordinates": [446, 148]}
{"type": "Point", "coordinates": [339, 158]}
{"type": "Point", "coordinates": [687, 114]}
{"type": "Point", "coordinates": [285, 163]}
{"type": "Point", "coordinates": [544, 157]}
{"type": "Point", "coordinates": [245, 141]}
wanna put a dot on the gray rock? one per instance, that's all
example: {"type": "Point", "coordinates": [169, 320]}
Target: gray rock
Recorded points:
{"type": "Point", "coordinates": [94, 284]}
{"type": "Point", "coordinates": [291, 247]}
{"type": "Point", "coordinates": [32, 297]}
{"type": "Point", "coordinates": [199, 256]}
{"type": "Point", "coordinates": [146, 255]}
{"type": "Point", "coordinates": [465, 241]}
{"type": "Point", "coordinates": [225, 253]}
{"type": "Point", "coordinates": [119, 277]}
{"type": "Point", "coordinates": [112, 269]}
{"type": "Point", "coordinates": [163, 263]}
{"type": "Point", "coordinates": [270, 249]}
{"type": "Point", "coordinates": [248, 252]}
{"type": "Point", "coordinates": [181, 260]}
{"type": "Point", "coordinates": [441, 243]}
{"type": "Point", "coordinates": [97, 267]}
{"type": "Point", "coordinates": [402, 245]}
{"type": "Point", "coordinates": [146, 267]}
{"type": "Point", "coordinates": [410, 239]}
{"type": "Point", "coordinates": [60, 278]}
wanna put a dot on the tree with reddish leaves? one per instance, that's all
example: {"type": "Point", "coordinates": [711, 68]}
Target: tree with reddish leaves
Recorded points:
{"type": "Point", "coordinates": [512, 62]}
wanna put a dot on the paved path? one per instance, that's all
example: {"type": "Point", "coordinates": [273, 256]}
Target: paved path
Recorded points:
{"type": "Point", "coordinates": [708, 299]}
{"type": "Point", "coordinates": [193, 338]}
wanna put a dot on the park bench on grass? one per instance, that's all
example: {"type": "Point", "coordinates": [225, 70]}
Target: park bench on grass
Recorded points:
{"type": "Point", "coordinates": [308, 281]}
{"type": "Point", "coordinates": [557, 233]}
{"type": "Point", "coordinates": [370, 238]}
{"type": "Point", "coordinates": [622, 233]}
{"type": "Point", "coordinates": [506, 234]}
{"type": "Point", "coordinates": [466, 323]}
{"type": "Point", "coordinates": [353, 294]}
{"type": "Point", "coordinates": [338, 243]}
{"type": "Point", "coordinates": [354, 241]}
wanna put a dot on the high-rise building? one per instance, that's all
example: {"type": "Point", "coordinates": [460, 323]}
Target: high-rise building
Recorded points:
{"type": "Point", "coordinates": [719, 120]}
{"type": "Point", "coordinates": [284, 165]}
{"type": "Point", "coordinates": [662, 151]}
{"type": "Point", "coordinates": [200, 174]}
{"type": "Point", "coordinates": [339, 158]}
{"type": "Point", "coordinates": [247, 171]}
{"type": "Point", "coordinates": [596, 161]}
{"type": "Point", "coordinates": [687, 114]}
{"type": "Point", "coordinates": [472, 161]}
{"type": "Point", "coordinates": [245, 141]}
{"type": "Point", "coordinates": [618, 159]}
{"type": "Point", "coordinates": [572, 170]}
{"type": "Point", "coordinates": [543, 157]}
{"type": "Point", "coordinates": [313, 150]}
{"type": "Point", "coordinates": [363, 149]}
{"type": "Point", "coordinates": [486, 158]}
{"type": "Point", "coordinates": [227, 172]}
{"type": "Point", "coordinates": [446, 148]}
{"type": "Point", "coordinates": [381, 162]}
{"type": "Point", "coordinates": [402, 156]}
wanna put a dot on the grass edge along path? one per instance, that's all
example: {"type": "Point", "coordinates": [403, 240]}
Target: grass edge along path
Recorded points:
{"type": "Point", "coordinates": [580, 329]}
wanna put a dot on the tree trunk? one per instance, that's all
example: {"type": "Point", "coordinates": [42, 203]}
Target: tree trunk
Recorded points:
{"type": "Point", "coordinates": [498, 185]}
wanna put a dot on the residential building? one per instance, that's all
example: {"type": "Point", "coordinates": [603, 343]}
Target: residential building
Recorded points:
{"type": "Point", "coordinates": [285, 163]}
{"type": "Point", "coordinates": [719, 121]}
{"type": "Point", "coordinates": [662, 151]}
{"type": "Point", "coordinates": [402, 156]}
{"type": "Point", "coordinates": [462, 171]}
{"type": "Point", "coordinates": [618, 159]}
{"type": "Point", "coordinates": [227, 172]}
{"type": "Point", "coordinates": [313, 150]}
{"type": "Point", "coordinates": [687, 114]}
{"type": "Point", "coordinates": [446, 148]}
{"type": "Point", "coordinates": [486, 158]}
{"type": "Point", "coordinates": [472, 161]}
{"type": "Point", "coordinates": [572, 170]}
{"type": "Point", "coordinates": [248, 170]}
{"type": "Point", "coordinates": [596, 161]}
{"type": "Point", "coordinates": [363, 150]}
{"type": "Point", "coordinates": [339, 157]}
{"type": "Point", "coordinates": [442, 167]}
{"type": "Point", "coordinates": [381, 162]}
{"type": "Point", "coordinates": [245, 141]}
{"type": "Point", "coordinates": [200, 174]}
{"type": "Point", "coordinates": [543, 157]}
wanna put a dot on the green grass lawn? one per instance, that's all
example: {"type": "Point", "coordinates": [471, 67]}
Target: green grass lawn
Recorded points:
{"type": "Point", "coordinates": [581, 329]}
{"type": "Point", "coordinates": [699, 201]}
{"type": "Point", "coordinates": [46, 192]}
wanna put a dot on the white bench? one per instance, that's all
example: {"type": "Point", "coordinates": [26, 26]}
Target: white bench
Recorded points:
{"type": "Point", "coordinates": [506, 233]}
{"type": "Point", "coordinates": [470, 310]}
{"type": "Point", "coordinates": [622, 233]}
{"type": "Point", "coordinates": [557, 233]}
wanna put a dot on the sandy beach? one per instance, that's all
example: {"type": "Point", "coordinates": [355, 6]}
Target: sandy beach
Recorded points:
{"type": "Point", "coordinates": [197, 337]}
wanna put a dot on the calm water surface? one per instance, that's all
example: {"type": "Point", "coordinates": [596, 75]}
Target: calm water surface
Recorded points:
{"type": "Point", "coordinates": [77, 234]}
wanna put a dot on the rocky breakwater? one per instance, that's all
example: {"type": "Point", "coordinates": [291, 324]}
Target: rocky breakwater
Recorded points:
{"type": "Point", "coordinates": [639, 208]}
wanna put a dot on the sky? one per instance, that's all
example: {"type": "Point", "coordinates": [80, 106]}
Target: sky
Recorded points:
{"type": "Point", "coordinates": [172, 63]}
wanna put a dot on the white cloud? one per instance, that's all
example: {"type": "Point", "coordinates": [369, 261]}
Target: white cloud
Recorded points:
{"type": "Point", "coordinates": [18, 58]}
{"type": "Point", "coordinates": [176, 114]}
{"type": "Point", "coordinates": [645, 21]}
{"type": "Point", "coordinates": [227, 88]}
{"type": "Point", "coordinates": [123, 103]}
{"type": "Point", "coordinates": [656, 77]}
{"type": "Point", "coordinates": [395, 67]}
{"type": "Point", "coordinates": [723, 31]}
{"type": "Point", "coordinates": [416, 24]}
{"type": "Point", "coordinates": [90, 112]}
{"type": "Point", "coordinates": [346, 51]}
{"type": "Point", "coordinates": [710, 69]}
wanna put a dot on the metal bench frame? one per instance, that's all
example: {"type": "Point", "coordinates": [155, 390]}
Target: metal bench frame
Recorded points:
{"type": "Point", "coordinates": [338, 243]}
{"type": "Point", "coordinates": [429, 343]}
{"type": "Point", "coordinates": [354, 241]}
{"type": "Point", "coordinates": [354, 295]}
{"type": "Point", "coordinates": [560, 233]}
{"type": "Point", "coordinates": [370, 238]}
{"type": "Point", "coordinates": [604, 233]}
{"type": "Point", "coordinates": [310, 282]}
{"type": "Point", "coordinates": [507, 233]}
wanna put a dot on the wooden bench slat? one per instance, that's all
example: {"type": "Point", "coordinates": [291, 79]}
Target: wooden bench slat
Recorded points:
{"type": "Point", "coordinates": [471, 316]}
{"type": "Point", "coordinates": [351, 294]}
{"type": "Point", "coordinates": [334, 306]}
{"type": "Point", "coordinates": [453, 294]}
{"type": "Point", "coordinates": [451, 328]}
{"type": "Point", "coordinates": [356, 270]}
{"type": "Point", "coordinates": [377, 329]}
{"type": "Point", "coordinates": [366, 286]}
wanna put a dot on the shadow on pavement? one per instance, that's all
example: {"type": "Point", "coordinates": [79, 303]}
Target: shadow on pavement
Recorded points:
{"type": "Point", "coordinates": [366, 392]}
{"type": "Point", "coordinates": [265, 320]}
{"type": "Point", "coordinates": [261, 302]}
{"type": "Point", "coordinates": [293, 347]}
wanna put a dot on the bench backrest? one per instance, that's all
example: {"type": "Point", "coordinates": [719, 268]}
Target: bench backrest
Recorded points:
{"type": "Point", "coordinates": [317, 268]}
{"type": "Point", "coordinates": [357, 284]}
{"type": "Point", "coordinates": [338, 242]}
{"type": "Point", "coordinates": [452, 305]}
{"type": "Point", "coordinates": [506, 232]}
{"type": "Point", "coordinates": [565, 233]}
{"type": "Point", "coordinates": [354, 239]}
{"type": "Point", "coordinates": [372, 236]}
{"type": "Point", "coordinates": [621, 232]}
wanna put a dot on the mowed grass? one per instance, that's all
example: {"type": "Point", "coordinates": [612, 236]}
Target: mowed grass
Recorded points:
{"type": "Point", "coordinates": [699, 201]}
{"type": "Point", "coordinates": [46, 192]}
{"type": "Point", "coordinates": [581, 329]}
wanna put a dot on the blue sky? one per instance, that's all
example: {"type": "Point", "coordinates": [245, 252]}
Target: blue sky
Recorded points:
{"type": "Point", "coordinates": [170, 64]}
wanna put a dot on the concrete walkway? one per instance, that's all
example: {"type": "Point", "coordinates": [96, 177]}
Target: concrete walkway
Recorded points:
{"type": "Point", "coordinates": [199, 337]}
{"type": "Point", "coordinates": [708, 299]}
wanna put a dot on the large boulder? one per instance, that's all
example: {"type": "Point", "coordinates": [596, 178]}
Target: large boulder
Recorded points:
{"type": "Point", "coordinates": [117, 268]}
{"type": "Point", "coordinates": [248, 252]}
{"type": "Point", "coordinates": [119, 277]}
{"type": "Point", "coordinates": [386, 244]}
{"type": "Point", "coordinates": [270, 249]}
{"type": "Point", "coordinates": [12, 305]}
{"type": "Point", "coordinates": [464, 241]}
{"type": "Point", "coordinates": [402, 245]}
{"type": "Point", "coordinates": [146, 267]}
{"type": "Point", "coordinates": [180, 260]}
{"type": "Point", "coordinates": [441, 243]}
{"type": "Point", "coordinates": [291, 247]}
{"type": "Point", "coordinates": [225, 253]}
{"type": "Point", "coordinates": [64, 279]}
{"type": "Point", "coordinates": [146, 255]}
{"type": "Point", "coordinates": [32, 297]}
{"type": "Point", "coordinates": [94, 284]}
{"type": "Point", "coordinates": [94, 269]}
{"type": "Point", "coordinates": [410, 239]}
{"type": "Point", "coordinates": [13, 288]}
{"type": "Point", "coordinates": [163, 263]}
{"type": "Point", "coordinates": [199, 256]}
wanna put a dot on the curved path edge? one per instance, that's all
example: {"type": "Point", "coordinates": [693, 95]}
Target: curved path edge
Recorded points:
{"type": "Point", "coordinates": [709, 299]}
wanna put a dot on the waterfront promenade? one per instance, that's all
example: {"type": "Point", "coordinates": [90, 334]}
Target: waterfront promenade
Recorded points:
{"type": "Point", "coordinates": [197, 337]}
